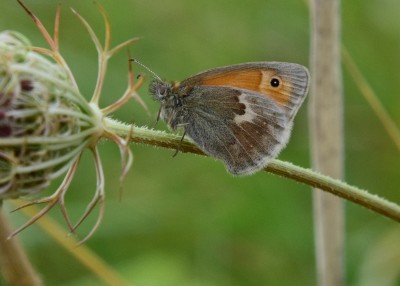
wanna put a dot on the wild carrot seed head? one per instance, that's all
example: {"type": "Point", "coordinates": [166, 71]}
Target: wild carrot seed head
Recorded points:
{"type": "Point", "coordinates": [44, 122]}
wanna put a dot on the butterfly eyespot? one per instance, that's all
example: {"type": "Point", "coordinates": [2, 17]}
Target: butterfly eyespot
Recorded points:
{"type": "Point", "coordinates": [275, 82]}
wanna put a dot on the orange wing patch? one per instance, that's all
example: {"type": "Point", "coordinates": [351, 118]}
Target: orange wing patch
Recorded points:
{"type": "Point", "coordinates": [256, 80]}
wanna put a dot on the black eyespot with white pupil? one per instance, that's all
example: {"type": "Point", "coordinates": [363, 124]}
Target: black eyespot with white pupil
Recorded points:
{"type": "Point", "coordinates": [275, 82]}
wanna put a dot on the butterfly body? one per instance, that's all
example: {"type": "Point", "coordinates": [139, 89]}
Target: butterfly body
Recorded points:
{"type": "Point", "coordinates": [241, 114]}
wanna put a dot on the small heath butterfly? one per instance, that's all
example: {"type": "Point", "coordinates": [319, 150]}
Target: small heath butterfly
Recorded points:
{"type": "Point", "coordinates": [241, 114]}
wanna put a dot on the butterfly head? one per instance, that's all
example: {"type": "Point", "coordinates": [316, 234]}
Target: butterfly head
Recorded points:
{"type": "Point", "coordinates": [171, 104]}
{"type": "Point", "coordinates": [160, 90]}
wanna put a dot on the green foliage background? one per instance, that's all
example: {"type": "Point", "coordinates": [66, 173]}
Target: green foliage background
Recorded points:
{"type": "Point", "coordinates": [184, 220]}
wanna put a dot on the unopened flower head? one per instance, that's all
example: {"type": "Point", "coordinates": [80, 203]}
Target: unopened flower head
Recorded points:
{"type": "Point", "coordinates": [46, 124]}
{"type": "Point", "coordinates": [44, 121]}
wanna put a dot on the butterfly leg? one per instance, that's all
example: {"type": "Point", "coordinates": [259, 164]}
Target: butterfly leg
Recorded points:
{"type": "Point", "coordinates": [178, 148]}
{"type": "Point", "coordinates": [158, 117]}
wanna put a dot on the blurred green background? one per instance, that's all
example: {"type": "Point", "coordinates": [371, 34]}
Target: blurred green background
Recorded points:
{"type": "Point", "coordinates": [185, 220]}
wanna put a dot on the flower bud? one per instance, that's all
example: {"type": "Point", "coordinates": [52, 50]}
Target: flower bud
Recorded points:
{"type": "Point", "coordinates": [45, 123]}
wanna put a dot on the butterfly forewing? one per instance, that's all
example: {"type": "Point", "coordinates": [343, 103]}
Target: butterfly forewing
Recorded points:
{"type": "Point", "coordinates": [257, 77]}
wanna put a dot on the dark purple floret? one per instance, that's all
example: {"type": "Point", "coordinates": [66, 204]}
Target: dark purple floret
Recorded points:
{"type": "Point", "coordinates": [26, 85]}
{"type": "Point", "coordinates": [5, 130]}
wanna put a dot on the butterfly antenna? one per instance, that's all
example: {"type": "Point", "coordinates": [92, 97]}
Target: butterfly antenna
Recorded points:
{"type": "Point", "coordinates": [153, 73]}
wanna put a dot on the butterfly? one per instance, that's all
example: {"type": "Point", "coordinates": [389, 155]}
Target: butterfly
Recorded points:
{"type": "Point", "coordinates": [241, 114]}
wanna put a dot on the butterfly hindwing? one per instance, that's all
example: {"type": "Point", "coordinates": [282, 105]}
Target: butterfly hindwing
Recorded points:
{"type": "Point", "coordinates": [242, 128]}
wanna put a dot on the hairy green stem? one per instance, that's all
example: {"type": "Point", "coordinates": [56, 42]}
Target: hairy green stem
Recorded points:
{"type": "Point", "coordinates": [143, 135]}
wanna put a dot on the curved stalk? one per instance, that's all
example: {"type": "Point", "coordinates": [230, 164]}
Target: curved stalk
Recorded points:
{"type": "Point", "coordinates": [341, 189]}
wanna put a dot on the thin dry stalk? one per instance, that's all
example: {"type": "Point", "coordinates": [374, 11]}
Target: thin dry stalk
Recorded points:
{"type": "Point", "coordinates": [327, 138]}
{"type": "Point", "coordinates": [14, 264]}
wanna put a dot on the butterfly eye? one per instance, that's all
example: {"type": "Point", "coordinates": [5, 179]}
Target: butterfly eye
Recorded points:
{"type": "Point", "coordinates": [178, 102]}
{"type": "Point", "coordinates": [275, 82]}
{"type": "Point", "coordinates": [162, 90]}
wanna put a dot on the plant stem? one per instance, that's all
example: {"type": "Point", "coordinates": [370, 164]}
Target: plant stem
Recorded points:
{"type": "Point", "coordinates": [14, 264]}
{"type": "Point", "coordinates": [373, 100]}
{"type": "Point", "coordinates": [143, 135]}
{"type": "Point", "coordinates": [326, 137]}
{"type": "Point", "coordinates": [82, 253]}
